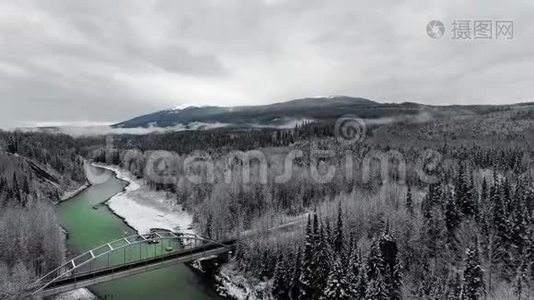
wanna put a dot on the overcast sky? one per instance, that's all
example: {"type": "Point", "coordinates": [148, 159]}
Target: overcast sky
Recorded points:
{"type": "Point", "coordinates": [90, 62]}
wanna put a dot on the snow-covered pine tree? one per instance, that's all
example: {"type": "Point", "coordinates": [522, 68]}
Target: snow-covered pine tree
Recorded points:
{"type": "Point", "coordinates": [322, 260]}
{"type": "Point", "coordinates": [361, 285]}
{"type": "Point", "coordinates": [307, 275]}
{"type": "Point", "coordinates": [392, 268]}
{"type": "Point", "coordinates": [16, 188]}
{"type": "Point", "coordinates": [294, 285]}
{"type": "Point", "coordinates": [521, 281]}
{"type": "Point", "coordinates": [431, 198]}
{"type": "Point", "coordinates": [328, 231]}
{"type": "Point", "coordinates": [452, 213]}
{"type": "Point", "coordinates": [409, 201]}
{"type": "Point", "coordinates": [473, 283]}
{"type": "Point", "coordinates": [454, 287]}
{"type": "Point", "coordinates": [337, 286]}
{"type": "Point", "coordinates": [529, 252]}
{"type": "Point", "coordinates": [519, 221]}
{"type": "Point", "coordinates": [375, 262]}
{"type": "Point", "coordinates": [338, 237]}
{"type": "Point", "coordinates": [484, 192]}
{"type": "Point", "coordinates": [376, 289]}
{"type": "Point", "coordinates": [281, 279]}
{"type": "Point", "coordinates": [395, 288]}
{"type": "Point", "coordinates": [266, 265]}
{"type": "Point", "coordinates": [464, 192]}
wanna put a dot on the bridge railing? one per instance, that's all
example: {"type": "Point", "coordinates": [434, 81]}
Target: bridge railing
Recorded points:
{"type": "Point", "coordinates": [83, 263]}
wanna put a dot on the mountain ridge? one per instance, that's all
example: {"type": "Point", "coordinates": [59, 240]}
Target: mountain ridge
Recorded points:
{"type": "Point", "coordinates": [312, 108]}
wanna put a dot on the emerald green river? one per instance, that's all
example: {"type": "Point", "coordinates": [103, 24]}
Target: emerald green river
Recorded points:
{"type": "Point", "coordinates": [88, 228]}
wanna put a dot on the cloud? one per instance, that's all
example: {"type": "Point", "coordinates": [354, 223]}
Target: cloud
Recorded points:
{"type": "Point", "coordinates": [104, 62]}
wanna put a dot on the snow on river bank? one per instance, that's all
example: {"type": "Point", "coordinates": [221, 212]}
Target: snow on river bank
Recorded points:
{"type": "Point", "coordinates": [144, 209]}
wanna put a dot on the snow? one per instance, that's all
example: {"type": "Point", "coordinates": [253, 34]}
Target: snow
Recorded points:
{"type": "Point", "coordinates": [71, 193]}
{"type": "Point", "coordinates": [78, 294]}
{"type": "Point", "coordinates": [234, 284]}
{"type": "Point", "coordinates": [144, 209]}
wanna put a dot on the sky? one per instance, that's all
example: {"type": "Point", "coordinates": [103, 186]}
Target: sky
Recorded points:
{"type": "Point", "coordinates": [99, 62]}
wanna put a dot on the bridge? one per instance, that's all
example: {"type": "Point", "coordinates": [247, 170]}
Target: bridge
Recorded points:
{"type": "Point", "coordinates": [126, 257]}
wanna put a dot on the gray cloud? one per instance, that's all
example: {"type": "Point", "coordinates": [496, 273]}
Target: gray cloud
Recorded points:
{"type": "Point", "coordinates": [105, 61]}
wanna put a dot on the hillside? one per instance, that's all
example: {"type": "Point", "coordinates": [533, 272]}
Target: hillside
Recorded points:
{"type": "Point", "coordinates": [287, 114]}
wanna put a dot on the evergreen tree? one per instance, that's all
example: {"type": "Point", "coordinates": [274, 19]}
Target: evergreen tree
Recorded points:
{"type": "Point", "coordinates": [529, 252]}
{"type": "Point", "coordinates": [521, 281]}
{"type": "Point", "coordinates": [361, 285]}
{"type": "Point", "coordinates": [473, 284]}
{"type": "Point", "coordinates": [392, 269]}
{"type": "Point", "coordinates": [452, 213]}
{"type": "Point", "coordinates": [294, 286]}
{"type": "Point", "coordinates": [454, 287]}
{"type": "Point", "coordinates": [338, 237]}
{"type": "Point", "coordinates": [322, 259]}
{"type": "Point", "coordinates": [409, 201]}
{"type": "Point", "coordinates": [337, 286]}
{"type": "Point", "coordinates": [464, 191]}
{"type": "Point", "coordinates": [431, 199]}
{"type": "Point", "coordinates": [375, 262]}
{"type": "Point", "coordinates": [484, 193]}
{"type": "Point", "coordinates": [16, 188]}
{"type": "Point", "coordinates": [395, 287]}
{"type": "Point", "coordinates": [281, 279]}
{"type": "Point", "coordinates": [307, 274]}
{"type": "Point", "coordinates": [376, 289]}
{"type": "Point", "coordinates": [208, 230]}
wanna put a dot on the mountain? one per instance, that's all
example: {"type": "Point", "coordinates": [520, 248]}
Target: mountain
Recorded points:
{"type": "Point", "coordinates": [276, 114]}
{"type": "Point", "coordinates": [291, 112]}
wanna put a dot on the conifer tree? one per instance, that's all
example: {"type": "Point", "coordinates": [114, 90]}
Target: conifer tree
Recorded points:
{"type": "Point", "coordinates": [375, 262]}
{"type": "Point", "coordinates": [16, 188]}
{"type": "Point", "coordinates": [392, 269]}
{"type": "Point", "coordinates": [337, 286]}
{"type": "Point", "coordinates": [395, 287]}
{"type": "Point", "coordinates": [464, 191]}
{"type": "Point", "coordinates": [473, 283]}
{"type": "Point", "coordinates": [409, 201]}
{"type": "Point", "coordinates": [280, 287]}
{"type": "Point", "coordinates": [376, 289]}
{"type": "Point", "coordinates": [452, 213]}
{"type": "Point", "coordinates": [338, 238]}
{"type": "Point", "coordinates": [431, 199]}
{"type": "Point", "coordinates": [484, 193]}
{"type": "Point", "coordinates": [294, 285]}
{"type": "Point", "coordinates": [454, 287]}
{"type": "Point", "coordinates": [322, 259]}
{"type": "Point", "coordinates": [308, 269]}
{"type": "Point", "coordinates": [361, 285]}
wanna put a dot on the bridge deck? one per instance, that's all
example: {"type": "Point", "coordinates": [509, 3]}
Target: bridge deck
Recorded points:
{"type": "Point", "coordinates": [103, 275]}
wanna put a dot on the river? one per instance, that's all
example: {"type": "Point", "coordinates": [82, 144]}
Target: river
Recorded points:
{"type": "Point", "coordinates": [88, 228]}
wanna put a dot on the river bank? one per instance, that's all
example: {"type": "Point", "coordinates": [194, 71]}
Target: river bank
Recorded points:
{"type": "Point", "coordinates": [143, 209]}
{"type": "Point", "coordinates": [82, 293]}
